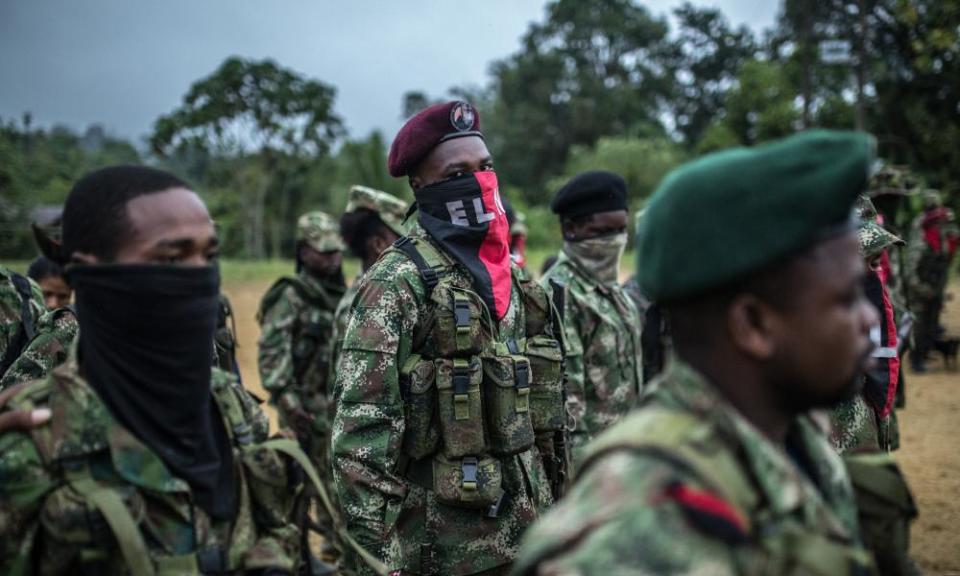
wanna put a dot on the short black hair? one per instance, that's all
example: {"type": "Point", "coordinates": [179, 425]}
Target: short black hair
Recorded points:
{"type": "Point", "coordinates": [94, 215]}
{"type": "Point", "coordinates": [358, 225]}
{"type": "Point", "coordinates": [43, 267]}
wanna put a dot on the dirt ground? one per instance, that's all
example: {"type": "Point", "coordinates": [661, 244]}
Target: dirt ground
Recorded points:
{"type": "Point", "coordinates": [930, 434]}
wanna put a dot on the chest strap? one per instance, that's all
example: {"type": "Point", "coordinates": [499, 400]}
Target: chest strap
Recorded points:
{"type": "Point", "coordinates": [427, 260]}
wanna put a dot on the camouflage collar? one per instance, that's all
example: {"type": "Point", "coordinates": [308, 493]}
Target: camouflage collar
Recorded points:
{"type": "Point", "coordinates": [579, 271]}
{"type": "Point", "coordinates": [785, 488]}
{"type": "Point", "coordinates": [84, 426]}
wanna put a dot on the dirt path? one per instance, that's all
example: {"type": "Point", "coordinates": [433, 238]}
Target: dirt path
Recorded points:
{"type": "Point", "coordinates": [930, 456]}
{"type": "Point", "coordinates": [930, 435]}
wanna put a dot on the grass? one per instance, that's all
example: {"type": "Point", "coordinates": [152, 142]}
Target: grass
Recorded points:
{"type": "Point", "coordinates": [241, 271]}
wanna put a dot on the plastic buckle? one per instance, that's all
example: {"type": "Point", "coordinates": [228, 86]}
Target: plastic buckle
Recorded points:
{"type": "Point", "coordinates": [430, 277]}
{"type": "Point", "coordinates": [461, 312]}
{"type": "Point", "coordinates": [461, 389]}
{"type": "Point", "coordinates": [521, 372]}
{"type": "Point", "coordinates": [469, 467]}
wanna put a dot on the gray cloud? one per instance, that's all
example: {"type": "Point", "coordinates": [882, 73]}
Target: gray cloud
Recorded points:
{"type": "Point", "coordinates": [122, 63]}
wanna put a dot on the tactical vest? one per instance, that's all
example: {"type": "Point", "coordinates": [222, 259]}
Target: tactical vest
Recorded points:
{"type": "Point", "coordinates": [312, 346]}
{"type": "Point", "coordinates": [786, 546]}
{"type": "Point", "coordinates": [470, 399]}
{"type": "Point", "coordinates": [106, 513]}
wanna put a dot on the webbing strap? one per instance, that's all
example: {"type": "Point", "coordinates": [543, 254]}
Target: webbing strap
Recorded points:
{"type": "Point", "coordinates": [292, 449]}
{"type": "Point", "coordinates": [115, 512]}
{"type": "Point", "coordinates": [429, 274]}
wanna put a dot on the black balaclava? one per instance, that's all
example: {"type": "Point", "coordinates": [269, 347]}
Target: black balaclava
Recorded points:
{"type": "Point", "coordinates": [146, 347]}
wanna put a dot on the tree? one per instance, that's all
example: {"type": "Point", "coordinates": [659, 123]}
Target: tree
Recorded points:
{"type": "Point", "coordinates": [591, 69]}
{"type": "Point", "coordinates": [263, 113]}
{"type": "Point", "coordinates": [709, 55]}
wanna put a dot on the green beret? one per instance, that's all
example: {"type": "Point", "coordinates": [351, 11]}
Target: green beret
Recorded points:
{"type": "Point", "coordinates": [721, 217]}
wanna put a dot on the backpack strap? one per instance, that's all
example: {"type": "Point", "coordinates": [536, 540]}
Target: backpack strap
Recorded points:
{"type": "Point", "coordinates": [115, 512]}
{"type": "Point", "coordinates": [426, 258]}
{"type": "Point", "coordinates": [292, 449]}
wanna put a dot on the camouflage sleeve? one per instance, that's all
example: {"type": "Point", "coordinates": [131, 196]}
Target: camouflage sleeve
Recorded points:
{"type": "Point", "coordinates": [574, 363]}
{"type": "Point", "coordinates": [618, 519]}
{"type": "Point", "coordinates": [24, 483]}
{"type": "Point", "coordinates": [275, 350]}
{"type": "Point", "coordinates": [369, 423]}
{"type": "Point", "coordinates": [56, 331]}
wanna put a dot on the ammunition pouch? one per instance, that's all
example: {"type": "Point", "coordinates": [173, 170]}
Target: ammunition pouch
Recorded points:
{"type": "Point", "coordinates": [507, 397]}
{"type": "Point", "coordinates": [885, 507]}
{"type": "Point", "coordinates": [418, 379]}
{"type": "Point", "coordinates": [546, 385]}
{"type": "Point", "coordinates": [460, 406]}
{"type": "Point", "coordinates": [468, 482]}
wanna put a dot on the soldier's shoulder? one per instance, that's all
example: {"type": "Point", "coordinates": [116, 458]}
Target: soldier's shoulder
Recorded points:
{"type": "Point", "coordinates": [392, 264]}
{"type": "Point", "coordinates": [632, 510]}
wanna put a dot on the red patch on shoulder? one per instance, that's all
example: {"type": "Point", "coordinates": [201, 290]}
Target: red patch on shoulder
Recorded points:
{"type": "Point", "coordinates": [709, 512]}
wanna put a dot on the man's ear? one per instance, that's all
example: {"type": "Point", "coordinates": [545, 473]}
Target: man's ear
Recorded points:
{"type": "Point", "coordinates": [752, 324]}
{"type": "Point", "coordinates": [49, 247]}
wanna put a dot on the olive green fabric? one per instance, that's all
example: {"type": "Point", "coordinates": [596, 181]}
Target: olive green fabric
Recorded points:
{"type": "Point", "coordinates": [728, 214]}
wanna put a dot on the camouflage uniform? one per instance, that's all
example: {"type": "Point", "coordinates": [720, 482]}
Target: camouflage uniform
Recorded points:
{"type": "Point", "coordinates": [56, 331]}
{"type": "Point", "coordinates": [392, 212]}
{"type": "Point", "coordinates": [83, 495]}
{"type": "Point", "coordinates": [856, 425]}
{"type": "Point", "coordinates": [225, 339]}
{"type": "Point", "coordinates": [604, 361]}
{"type": "Point", "coordinates": [926, 277]}
{"type": "Point", "coordinates": [686, 485]}
{"type": "Point", "coordinates": [296, 341]}
{"type": "Point", "coordinates": [389, 445]}
{"type": "Point", "coordinates": [13, 303]}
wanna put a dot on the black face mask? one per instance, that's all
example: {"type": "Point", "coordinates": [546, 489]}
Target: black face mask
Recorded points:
{"type": "Point", "coordinates": [146, 347]}
{"type": "Point", "coordinates": [466, 217]}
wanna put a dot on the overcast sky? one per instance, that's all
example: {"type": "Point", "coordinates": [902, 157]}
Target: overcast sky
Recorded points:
{"type": "Point", "coordinates": [122, 63]}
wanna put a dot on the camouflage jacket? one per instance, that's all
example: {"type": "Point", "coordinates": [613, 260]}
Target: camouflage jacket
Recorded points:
{"type": "Point", "coordinates": [395, 518]}
{"type": "Point", "coordinates": [926, 269]}
{"type": "Point", "coordinates": [48, 526]}
{"type": "Point", "coordinates": [604, 359]}
{"type": "Point", "coordinates": [296, 344]}
{"type": "Point", "coordinates": [340, 317]}
{"type": "Point", "coordinates": [11, 307]}
{"type": "Point", "coordinates": [686, 485]}
{"type": "Point", "coordinates": [49, 348]}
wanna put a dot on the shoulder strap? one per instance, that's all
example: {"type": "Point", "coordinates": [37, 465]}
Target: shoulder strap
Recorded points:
{"type": "Point", "coordinates": [115, 512]}
{"type": "Point", "coordinates": [672, 436]}
{"type": "Point", "coordinates": [292, 449]}
{"type": "Point", "coordinates": [426, 258]}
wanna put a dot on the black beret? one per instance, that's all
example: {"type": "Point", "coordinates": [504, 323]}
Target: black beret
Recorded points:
{"type": "Point", "coordinates": [590, 193]}
{"type": "Point", "coordinates": [429, 127]}
{"type": "Point", "coordinates": [719, 218]}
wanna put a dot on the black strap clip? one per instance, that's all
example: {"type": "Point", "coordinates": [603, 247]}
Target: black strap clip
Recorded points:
{"type": "Point", "coordinates": [213, 560]}
{"type": "Point", "coordinates": [469, 467]}
{"type": "Point", "coordinates": [461, 313]}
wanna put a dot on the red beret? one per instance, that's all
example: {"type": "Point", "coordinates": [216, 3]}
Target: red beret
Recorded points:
{"type": "Point", "coordinates": [429, 127]}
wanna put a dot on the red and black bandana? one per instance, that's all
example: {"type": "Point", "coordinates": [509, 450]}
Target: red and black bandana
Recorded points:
{"type": "Point", "coordinates": [466, 217]}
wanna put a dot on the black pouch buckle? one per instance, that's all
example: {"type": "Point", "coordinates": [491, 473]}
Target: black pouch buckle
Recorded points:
{"type": "Point", "coordinates": [461, 313]}
{"type": "Point", "coordinates": [522, 375]}
{"type": "Point", "coordinates": [469, 467]}
{"type": "Point", "coordinates": [461, 389]}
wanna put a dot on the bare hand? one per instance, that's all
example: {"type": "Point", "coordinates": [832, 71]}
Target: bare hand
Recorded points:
{"type": "Point", "coordinates": [20, 419]}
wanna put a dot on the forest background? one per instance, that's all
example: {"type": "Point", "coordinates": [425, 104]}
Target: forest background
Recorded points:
{"type": "Point", "coordinates": [594, 85]}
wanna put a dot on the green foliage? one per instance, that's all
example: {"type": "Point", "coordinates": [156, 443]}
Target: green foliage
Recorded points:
{"type": "Point", "coordinates": [272, 123]}
{"type": "Point", "coordinates": [38, 167]}
{"type": "Point", "coordinates": [642, 162]}
{"type": "Point", "coordinates": [591, 69]}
